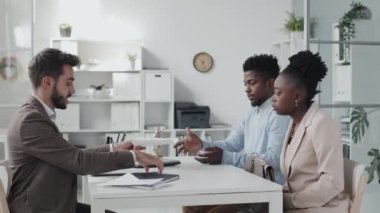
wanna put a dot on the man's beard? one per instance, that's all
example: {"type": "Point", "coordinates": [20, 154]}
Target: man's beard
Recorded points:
{"type": "Point", "coordinates": [57, 99]}
{"type": "Point", "coordinates": [258, 102]}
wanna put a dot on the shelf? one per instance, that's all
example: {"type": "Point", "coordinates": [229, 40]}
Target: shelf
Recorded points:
{"type": "Point", "coordinates": [217, 129]}
{"type": "Point", "coordinates": [105, 100]}
{"type": "Point", "coordinates": [12, 50]}
{"type": "Point", "coordinates": [106, 70]}
{"type": "Point", "coordinates": [64, 39]}
{"type": "Point", "coordinates": [205, 129]}
{"type": "Point", "coordinates": [346, 142]}
{"type": "Point", "coordinates": [3, 131]}
{"type": "Point", "coordinates": [158, 101]}
{"type": "Point", "coordinates": [100, 131]}
{"type": "Point", "coordinates": [345, 120]}
{"type": "Point", "coordinates": [10, 105]}
{"type": "Point", "coordinates": [153, 131]}
{"type": "Point", "coordinates": [281, 42]}
{"type": "Point", "coordinates": [339, 63]}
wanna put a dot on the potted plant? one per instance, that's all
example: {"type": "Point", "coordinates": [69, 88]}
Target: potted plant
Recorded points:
{"type": "Point", "coordinates": [346, 22]}
{"type": "Point", "coordinates": [347, 26]}
{"type": "Point", "coordinates": [65, 30]}
{"type": "Point", "coordinates": [132, 59]}
{"type": "Point", "coordinates": [294, 25]}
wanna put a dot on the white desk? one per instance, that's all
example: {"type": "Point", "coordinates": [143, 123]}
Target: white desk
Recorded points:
{"type": "Point", "coordinates": [199, 184]}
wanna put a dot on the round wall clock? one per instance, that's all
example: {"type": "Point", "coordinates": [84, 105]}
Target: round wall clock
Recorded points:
{"type": "Point", "coordinates": [203, 62]}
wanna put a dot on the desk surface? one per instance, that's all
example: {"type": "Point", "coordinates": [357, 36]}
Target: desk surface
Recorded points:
{"type": "Point", "coordinates": [195, 179]}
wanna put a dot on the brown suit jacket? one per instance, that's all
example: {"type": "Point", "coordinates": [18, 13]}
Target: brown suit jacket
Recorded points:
{"type": "Point", "coordinates": [312, 165]}
{"type": "Point", "coordinates": [44, 165]}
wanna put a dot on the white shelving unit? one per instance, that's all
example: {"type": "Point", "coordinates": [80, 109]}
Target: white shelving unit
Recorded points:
{"type": "Point", "coordinates": [285, 48]}
{"type": "Point", "coordinates": [353, 80]}
{"type": "Point", "coordinates": [142, 100]}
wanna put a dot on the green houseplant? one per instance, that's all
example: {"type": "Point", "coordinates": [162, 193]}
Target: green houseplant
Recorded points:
{"type": "Point", "coordinates": [294, 24]}
{"type": "Point", "coordinates": [346, 23]}
{"type": "Point", "coordinates": [359, 122]}
{"type": "Point", "coordinates": [347, 27]}
{"type": "Point", "coordinates": [65, 30]}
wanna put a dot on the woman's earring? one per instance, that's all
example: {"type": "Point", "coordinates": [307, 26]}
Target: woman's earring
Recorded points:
{"type": "Point", "coordinates": [296, 103]}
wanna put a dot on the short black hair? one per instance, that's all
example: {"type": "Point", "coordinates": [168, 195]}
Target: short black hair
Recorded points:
{"type": "Point", "coordinates": [265, 65]}
{"type": "Point", "coordinates": [306, 69]}
{"type": "Point", "coordinates": [49, 62]}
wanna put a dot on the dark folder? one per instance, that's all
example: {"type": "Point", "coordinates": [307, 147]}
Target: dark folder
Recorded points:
{"type": "Point", "coordinates": [166, 161]}
{"type": "Point", "coordinates": [155, 175]}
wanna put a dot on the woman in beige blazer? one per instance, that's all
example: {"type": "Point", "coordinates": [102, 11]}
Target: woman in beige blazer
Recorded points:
{"type": "Point", "coordinates": [311, 157]}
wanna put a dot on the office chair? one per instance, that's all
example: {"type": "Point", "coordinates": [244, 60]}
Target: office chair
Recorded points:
{"type": "Point", "coordinates": [354, 183]}
{"type": "Point", "coordinates": [4, 186]}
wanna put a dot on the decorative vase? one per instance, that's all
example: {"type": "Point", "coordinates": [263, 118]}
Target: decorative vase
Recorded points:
{"type": "Point", "coordinates": [296, 39]}
{"type": "Point", "coordinates": [102, 94]}
{"type": "Point", "coordinates": [133, 64]}
{"type": "Point", "coordinates": [65, 32]}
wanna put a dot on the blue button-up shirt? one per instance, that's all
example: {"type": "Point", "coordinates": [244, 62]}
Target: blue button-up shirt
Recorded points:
{"type": "Point", "coordinates": [261, 133]}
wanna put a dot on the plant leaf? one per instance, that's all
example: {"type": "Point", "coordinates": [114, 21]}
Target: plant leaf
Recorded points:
{"type": "Point", "coordinates": [374, 166]}
{"type": "Point", "coordinates": [359, 123]}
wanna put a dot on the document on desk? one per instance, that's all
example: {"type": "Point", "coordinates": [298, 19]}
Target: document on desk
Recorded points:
{"type": "Point", "coordinates": [144, 180]}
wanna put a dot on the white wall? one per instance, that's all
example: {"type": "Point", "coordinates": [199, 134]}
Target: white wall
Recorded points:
{"type": "Point", "coordinates": [173, 32]}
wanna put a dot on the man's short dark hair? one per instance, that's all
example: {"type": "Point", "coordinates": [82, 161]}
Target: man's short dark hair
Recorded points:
{"type": "Point", "coordinates": [49, 62]}
{"type": "Point", "coordinates": [265, 65]}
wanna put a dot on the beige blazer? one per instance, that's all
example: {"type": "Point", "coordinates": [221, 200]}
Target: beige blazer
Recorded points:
{"type": "Point", "coordinates": [312, 165]}
{"type": "Point", "coordinates": [44, 165]}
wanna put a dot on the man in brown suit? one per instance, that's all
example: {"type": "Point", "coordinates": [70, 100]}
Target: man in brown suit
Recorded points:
{"type": "Point", "coordinates": [44, 165]}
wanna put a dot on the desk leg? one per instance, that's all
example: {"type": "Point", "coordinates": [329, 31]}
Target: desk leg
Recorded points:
{"type": "Point", "coordinates": [85, 192]}
{"type": "Point", "coordinates": [96, 207]}
{"type": "Point", "coordinates": [275, 203]}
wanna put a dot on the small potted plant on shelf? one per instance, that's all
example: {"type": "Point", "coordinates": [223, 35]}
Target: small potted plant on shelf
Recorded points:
{"type": "Point", "coordinates": [65, 30]}
{"type": "Point", "coordinates": [132, 59]}
{"type": "Point", "coordinates": [294, 26]}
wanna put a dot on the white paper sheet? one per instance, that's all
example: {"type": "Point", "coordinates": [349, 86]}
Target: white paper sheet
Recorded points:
{"type": "Point", "coordinates": [130, 180]}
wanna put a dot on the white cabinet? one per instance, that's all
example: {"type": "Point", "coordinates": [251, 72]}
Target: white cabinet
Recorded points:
{"type": "Point", "coordinates": [68, 119]}
{"type": "Point", "coordinates": [127, 85]}
{"type": "Point", "coordinates": [68, 45]}
{"type": "Point", "coordinates": [158, 86]}
{"type": "Point", "coordinates": [342, 83]}
{"type": "Point", "coordinates": [125, 116]}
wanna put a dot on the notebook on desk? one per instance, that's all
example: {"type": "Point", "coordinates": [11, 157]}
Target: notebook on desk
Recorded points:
{"type": "Point", "coordinates": [155, 175]}
{"type": "Point", "coordinates": [144, 180]}
{"type": "Point", "coordinates": [165, 178]}
{"type": "Point", "coordinates": [166, 161]}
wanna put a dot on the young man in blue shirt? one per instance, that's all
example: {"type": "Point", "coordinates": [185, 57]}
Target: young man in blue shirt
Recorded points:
{"type": "Point", "coordinates": [262, 130]}
{"type": "Point", "coordinates": [260, 134]}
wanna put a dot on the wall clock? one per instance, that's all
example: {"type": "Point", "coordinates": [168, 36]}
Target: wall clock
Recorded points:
{"type": "Point", "coordinates": [203, 62]}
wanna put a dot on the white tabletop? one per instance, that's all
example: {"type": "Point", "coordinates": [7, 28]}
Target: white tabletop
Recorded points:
{"type": "Point", "coordinates": [195, 180]}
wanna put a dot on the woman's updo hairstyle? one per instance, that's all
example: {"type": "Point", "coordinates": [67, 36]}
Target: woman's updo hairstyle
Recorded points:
{"type": "Point", "coordinates": [306, 69]}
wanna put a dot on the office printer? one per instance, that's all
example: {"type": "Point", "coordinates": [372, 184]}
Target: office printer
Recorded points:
{"type": "Point", "coordinates": [188, 114]}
